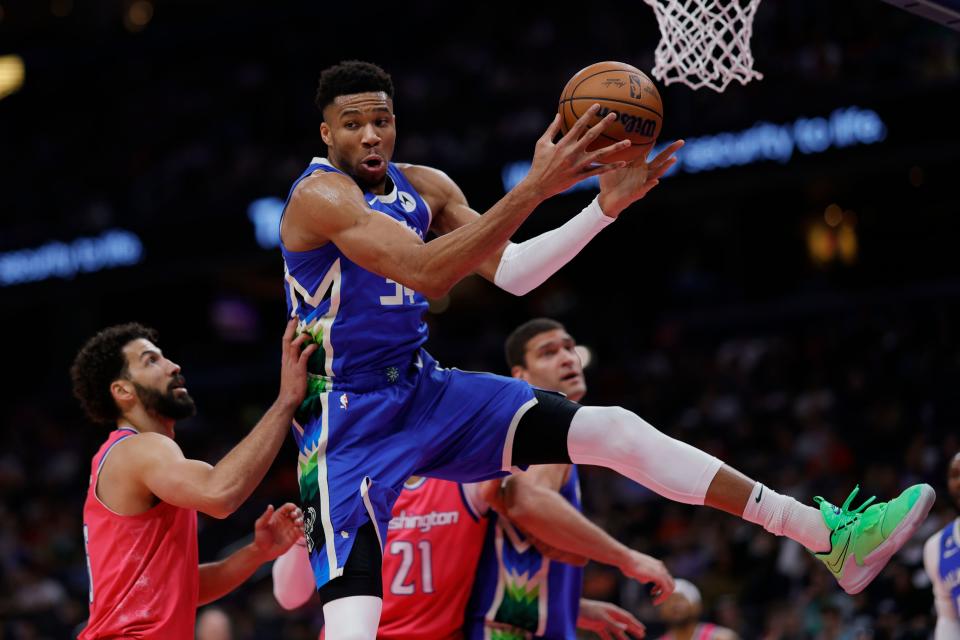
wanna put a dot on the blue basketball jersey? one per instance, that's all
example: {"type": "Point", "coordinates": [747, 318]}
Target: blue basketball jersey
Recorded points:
{"type": "Point", "coordinates": [361, 321]}
{"type": "Point", "coordinates": [950, 563]}
{"type": "Point", "coordinates": [379, 408]}
{"type": "Point", "coordinates": [520, 594]}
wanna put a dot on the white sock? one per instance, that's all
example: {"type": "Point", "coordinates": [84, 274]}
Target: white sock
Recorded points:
{"type": "Point", "coordinates": [783, 516]}
{"type": "Point", "coordinates": [352, 618]}
{"type": "Point", "coordinates": [620, 440]}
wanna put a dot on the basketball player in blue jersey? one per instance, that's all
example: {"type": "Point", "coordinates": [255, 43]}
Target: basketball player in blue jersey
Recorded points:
{"type": "Point", "coordinates": [380, 409]}
{"type": "Point", "coordinates": [941, 559]}
{"type": "Point", "coordinates": [519, 593]}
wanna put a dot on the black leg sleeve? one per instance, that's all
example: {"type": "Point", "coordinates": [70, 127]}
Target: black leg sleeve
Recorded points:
{"type": "Point", "coordinates": [362, 575]}
{"type": "Point", "coordinates": [541, 436]}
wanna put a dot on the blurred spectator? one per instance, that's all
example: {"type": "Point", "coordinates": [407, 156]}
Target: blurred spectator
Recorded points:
{"type": "Point", "coordinates": [213, 624]}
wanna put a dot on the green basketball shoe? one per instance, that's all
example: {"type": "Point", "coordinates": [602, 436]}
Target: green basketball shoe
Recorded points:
{"type": "Point", "coordinates": [863, 540]}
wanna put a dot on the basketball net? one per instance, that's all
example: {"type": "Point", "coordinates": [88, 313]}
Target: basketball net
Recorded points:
{"type": "Point", "coordinates": [704, 43]}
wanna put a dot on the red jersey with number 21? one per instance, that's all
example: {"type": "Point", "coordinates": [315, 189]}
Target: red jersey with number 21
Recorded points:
{"type": "Point", "coordinates": [429, 561]}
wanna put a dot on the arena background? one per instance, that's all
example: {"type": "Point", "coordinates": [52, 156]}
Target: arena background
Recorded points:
{"type": "Point", "coordinates": [792, 309]}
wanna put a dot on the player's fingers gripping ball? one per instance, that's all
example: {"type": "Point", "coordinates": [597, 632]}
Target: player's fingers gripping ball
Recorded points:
{"type": "Point", "coordinates": [622, 89]}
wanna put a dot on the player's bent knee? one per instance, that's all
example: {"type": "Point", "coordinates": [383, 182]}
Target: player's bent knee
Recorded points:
{"type": "Point", "coordinates": [616, 438]}
{"type": "Point", "coordinates": [612, 433]}
{"type": "Point", "coordinates": [634, 432]}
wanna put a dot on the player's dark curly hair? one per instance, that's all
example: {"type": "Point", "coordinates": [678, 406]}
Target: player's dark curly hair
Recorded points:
{"type": "Point", "coordinates": [351, 76]}
{"type": "Point", "coordinates": [101, 361]}
{"type": "Point", "coordinates": [516, 344]}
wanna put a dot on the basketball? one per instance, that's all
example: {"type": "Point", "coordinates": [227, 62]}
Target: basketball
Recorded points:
{"type": "Point", "coordinates": [620, 88]}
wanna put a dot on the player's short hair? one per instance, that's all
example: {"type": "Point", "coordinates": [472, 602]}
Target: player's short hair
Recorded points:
{"type": "Point", "coordinates": [515, 348]}
{"type": "Point", "coordinates": [688, 590]}
{"type": "Point", "coordinates": [349, 77]}
{"type": "Point", "coordinates": [101, 361]}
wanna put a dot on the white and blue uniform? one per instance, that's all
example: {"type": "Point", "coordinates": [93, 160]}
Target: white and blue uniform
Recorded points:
{"type": "Point", "coordinates": [941, 559]}
{"type": "Point", "coordinates": [379, 408]}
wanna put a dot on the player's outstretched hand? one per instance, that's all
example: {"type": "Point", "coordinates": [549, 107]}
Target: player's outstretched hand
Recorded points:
{"type": "Point", "coordinates": [609, 621]}
{"type": "Point", "coordinates": [621, 188]}
{"type": "Point", "coordinates": [293, 367]}
{"type": "Point", "coordinates": [559, 165]}
{"type": "Point", "coordinates": [644, 568]}
{"type": "Point", "coordinates": [276, 530]}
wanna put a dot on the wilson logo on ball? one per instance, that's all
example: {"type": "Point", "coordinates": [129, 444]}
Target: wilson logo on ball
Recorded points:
{"type": "Point", "coordinates": [632, 124]}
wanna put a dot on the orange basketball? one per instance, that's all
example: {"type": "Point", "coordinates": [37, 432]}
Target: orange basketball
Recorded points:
{"type": "Point", "coordinates": [620, 88]}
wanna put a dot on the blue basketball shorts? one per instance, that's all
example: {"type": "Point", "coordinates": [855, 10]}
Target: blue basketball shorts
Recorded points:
{"type": "Point", "coordinates": [361, 437]}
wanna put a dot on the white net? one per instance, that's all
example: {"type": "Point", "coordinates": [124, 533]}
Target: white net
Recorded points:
{"type": "Point", "coordinates": [705, 43]}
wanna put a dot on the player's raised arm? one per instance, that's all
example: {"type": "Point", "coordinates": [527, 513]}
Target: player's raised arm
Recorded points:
{"type": "Point", "coordinates": [520, 268]}
{"type": "Point", "coordinates": [331, 208]}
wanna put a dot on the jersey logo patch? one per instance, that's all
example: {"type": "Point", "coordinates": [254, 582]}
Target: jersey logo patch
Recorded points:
{"type": "Point", "coordinates": [407, 201]}
{"type": "Point", "coordinates": [308, 523]}
{"type": "Point", "coordinates": [343, 401]}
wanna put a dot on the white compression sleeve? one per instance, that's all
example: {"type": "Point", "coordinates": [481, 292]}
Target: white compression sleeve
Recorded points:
{"type": "Point", "coordinates": [525, 266]}
{"type": "Point", "coordinates": [293, 582]}
{"type": "Point", "coordinates": [352, 618]}
{"type": "Point", "coordinates": [620, 440]}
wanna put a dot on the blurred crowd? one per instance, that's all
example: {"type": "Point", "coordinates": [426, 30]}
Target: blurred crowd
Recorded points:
{"type": "Point", "coordinates": [142, 129]}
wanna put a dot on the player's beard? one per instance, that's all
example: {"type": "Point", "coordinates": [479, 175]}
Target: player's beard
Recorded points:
{"type": "Point", "coordinates": [172, 405]}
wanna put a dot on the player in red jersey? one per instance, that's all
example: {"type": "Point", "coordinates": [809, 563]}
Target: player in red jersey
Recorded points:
{"type": "Point", "coordinates": [433, 545]}
{"type": "Point", "coordinates": [140, 515]}
{"type": "Point", "coordinates": [430, 561]}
